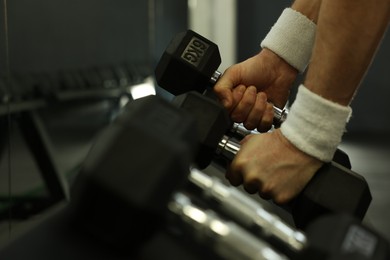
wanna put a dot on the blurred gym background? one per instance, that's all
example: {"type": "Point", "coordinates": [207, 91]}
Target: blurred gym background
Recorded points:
{"type": "Point", "coordinates": [64, 65]}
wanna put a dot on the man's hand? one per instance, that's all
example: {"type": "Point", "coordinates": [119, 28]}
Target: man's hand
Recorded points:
{"type": "Point", "coordinates": [246, 87]}
{"type": "Point", "coordinates": [270, 165]}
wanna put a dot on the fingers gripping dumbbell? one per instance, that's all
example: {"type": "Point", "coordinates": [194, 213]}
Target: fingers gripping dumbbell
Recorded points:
{"type": "Point", "coordinates": [238, 131]}
{"type": "Point", "coordinates": [191, 62]}
{"type": "Point", "coordinates": [137, 175]}
{"type": "Point", "coordinates": [213, 123]}
{"type": "Point", "coordinates": [322, 194]}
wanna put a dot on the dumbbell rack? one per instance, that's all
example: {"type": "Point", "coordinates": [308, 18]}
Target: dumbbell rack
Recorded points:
{"type": "Point", "coordinates": [144, 202]}
{"type": "Point", "coordinates": [38, 142]}
{"type": "Point", "coordinates": [21, 103]}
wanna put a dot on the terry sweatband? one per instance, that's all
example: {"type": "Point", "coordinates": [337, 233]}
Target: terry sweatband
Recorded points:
{"type": "Point", "coordinates": [292, 38]}
{"type": "Point", "coordinates": [315, 125]}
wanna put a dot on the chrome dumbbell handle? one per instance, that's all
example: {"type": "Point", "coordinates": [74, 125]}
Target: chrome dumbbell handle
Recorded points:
{"type": "Point", "coordinates": [280, 115]}
{"type": "Point", "coordinates": [228, 240]}
{"type": "Point", "coordinates": [227, 148]}
{"type": "Point", "coordinates": [247, 211]}
{"type": "Point", "coordinates": [240, 130]}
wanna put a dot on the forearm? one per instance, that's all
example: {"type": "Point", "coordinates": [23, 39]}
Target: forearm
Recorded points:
{"type": "Point", "coordinates": [348, 34]}
{"type": "Point", "coordinates": [292, 36]}
{"type": "Point", "coordinates": [309, 8]}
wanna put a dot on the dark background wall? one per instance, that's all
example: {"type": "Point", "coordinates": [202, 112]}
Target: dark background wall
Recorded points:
{"type": "Point", "coordinates": [56, 34]}
{"type": "Point", "coordinates": [49, 37]}
{"type": "Point", "coordinates": [52, 35]}
{"type": "Point", "coordinates": [74, 38]}
{"type": "Point", "coordinates": [370, 107]}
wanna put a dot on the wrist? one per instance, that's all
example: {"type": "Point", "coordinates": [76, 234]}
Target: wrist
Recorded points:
{"type": "Point", "coordinates": [315, 125]}
{"type": "Point", "coordinates": [309, 8]}
{"type": "Point", "coordinates": [275, 61]}
{"type": "Point", "coordinates": [282, 77]}
{"type": "Point", "coordinates": [292, 38]}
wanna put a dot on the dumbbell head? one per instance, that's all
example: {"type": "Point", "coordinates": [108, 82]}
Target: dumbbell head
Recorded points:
{"type": "Point", "coordinates": [128, 177]}
{"type": "Point", "coordinates": [340, 236]}
{"type": "Point", "coordinates": [212, 123]}
{"type": "Point", "coordinates": [333, 188]}
{"type": "Point", "coordinates": [191, 57]}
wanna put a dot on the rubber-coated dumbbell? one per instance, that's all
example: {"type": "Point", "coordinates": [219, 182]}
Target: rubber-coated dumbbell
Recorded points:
{"type": "Point", "coordinates": [131, 171]}
{"type": "Point", "coordinates": [332, 236]}
{"type": "Point", "coordinates": [323, 193]}
{"type": "Point", "coordinates": [135, 177]}
{"type": "Point", "coordinates": [130, 175]}
{"type": "Point", "coordinates": [190, 62]}
{"type": "Point", "coordinates": [213, 123]}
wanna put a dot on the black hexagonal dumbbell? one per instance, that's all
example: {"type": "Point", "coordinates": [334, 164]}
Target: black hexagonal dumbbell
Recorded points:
{"type": "Point", "coordinates": [213, 123]}
{"type": "Point", "coordinates": [131, 170]}
{"type": "Point", "coordinates": [137, 179]}
{"type": "Point", "coordinates": [334, 188]}
{"type": "Point", "coordinates": [133, 175]}
{"type": "Point", "coordinates": [190, 62]}
{"type": "Point", "coordinates": [331, 237]}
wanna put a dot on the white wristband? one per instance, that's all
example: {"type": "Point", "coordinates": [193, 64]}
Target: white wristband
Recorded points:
{"type": "Point", "coordinates": [292, 38]}
{"type": "Point", "coordinates": [315, 125]}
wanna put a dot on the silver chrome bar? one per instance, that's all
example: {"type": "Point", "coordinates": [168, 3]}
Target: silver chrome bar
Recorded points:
{"type": "Point", "coordinates": [214, 78]}
{"type": "Point", "coordinates": [240, 130]}
{"type": "Point", "coordinates": [227, 148]}
{"type": "Point", "coordinates": [247, 211]}
{"type": "Point", "coordinates": [280, 115]}
{"type": "Point", "coordinates": [228, 240]}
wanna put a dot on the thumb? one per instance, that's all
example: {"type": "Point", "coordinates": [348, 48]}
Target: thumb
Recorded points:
{"type": "Point", "coordinates": [225, 85]}
{"type": "Point", "coordinates": [224, 90]}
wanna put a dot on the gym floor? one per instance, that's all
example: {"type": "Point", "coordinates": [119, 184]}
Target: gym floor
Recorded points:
{"type": "Point", "coordinates": [72, 137]}
{"type": "Point", "coordinates": [369, 154]}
